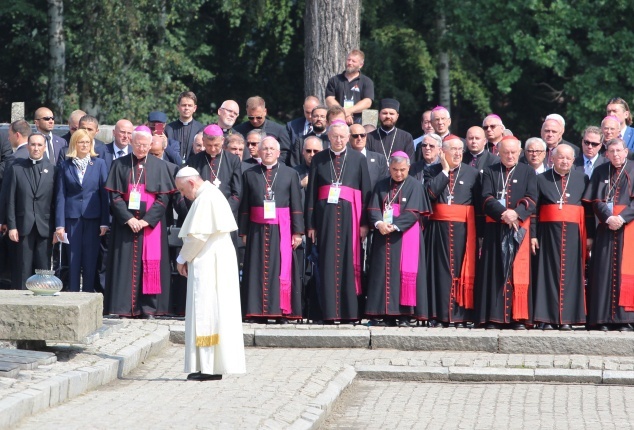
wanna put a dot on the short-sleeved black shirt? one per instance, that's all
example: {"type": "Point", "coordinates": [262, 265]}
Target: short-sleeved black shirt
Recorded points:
{"type": "Point", "coordinates": [356, 90]}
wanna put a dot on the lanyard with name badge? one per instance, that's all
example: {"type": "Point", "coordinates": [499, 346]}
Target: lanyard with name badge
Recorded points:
{"type": "Point", "coordinates": [502, 194]}
{"type": "Point", "coordinates": [388, 212]}
{"type": "Point", "coordinates": [335, 191]}
{"type": "Point", "coordinates": [134, 203]}
{"type": "Point", "coordinates": [269, 197]}
{"type": "Point", "coordinates": [610, 201]}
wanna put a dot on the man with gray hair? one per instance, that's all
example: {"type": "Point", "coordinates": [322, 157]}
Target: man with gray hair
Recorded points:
{"type": "Point", "coordinates": [397, 278]}
{"type": "Point", "coordinates": [271, 224]}
{"type": "Point", "coordinates": [535, 154]}
{"type": "Point", "coordinates": [552, 133]}
{"type": "Point", "coordinates": [228, 113]}
{"type": "Point", "coordinates": [494, 131]}
{"type": "Point", "coordinates": [440, 120]}
{"type": "Point", "coordinates": [430, 147]}
{"type": "Point", "coordinates": [336, 222]}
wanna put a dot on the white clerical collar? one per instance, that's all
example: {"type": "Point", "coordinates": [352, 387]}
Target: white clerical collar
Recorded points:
{"type": "Point", "coordinates": [337, 152]}
{"type": "Point", "coordinates": [387, 131]}
{"type": "Point", "coordinates": [557, 172]}
{"type": "Point", "coordinates": [36, 161]}
{"type": "Point", "coordinates": [593, 159]}
{"type": "Point", "coordinates": [185, 123]}
{"type": "Point", "coordinates": [269, 167]}
{"type": "Point", "coordinates": [259, 160]}
{"type": "Point", "coordinates": [479, 153]}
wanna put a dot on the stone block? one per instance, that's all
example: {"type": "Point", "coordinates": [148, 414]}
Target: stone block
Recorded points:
{"type": "Point", "coordinates": [490, 374]}
{"type": "Point", "coordinates": [618, 377]}
{"type": "Point", "coordinates": [405, 373]}
{"type": "Point", "coordinates": [435, 340]}
{"type": "Point", "coordinates": [575, 342]}
{"type": "Point", "coordinates": [9, 369]}
{"type": "Point", "coordinates": [323, 338]}
{"type": "Point", "coordinates": [77, 383]}
{"type": "Point", "coordinates": [69, 317]}
{"type": "Point", "coordinates": [571, 376]}
{"type": "Point", "coordinates": [177, 334]}
{"type": "Point", "coordinates": [17, 111]}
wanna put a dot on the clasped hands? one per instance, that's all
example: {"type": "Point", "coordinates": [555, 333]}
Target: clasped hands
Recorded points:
{"type": "Point", "coordinates": [385, 228]}
{"type": "Point", "coordinates": [136, 225]}
{"type": "Point", "coordinates": [511, 218]}
{"type": "Point", "coordinates": [614, 222]}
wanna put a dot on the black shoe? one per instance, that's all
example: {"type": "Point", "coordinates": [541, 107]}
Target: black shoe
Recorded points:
{"type": "Point", "coordinates": [547, 327]}
{"type": "Point", "coordinates": [460, 325]}
{"type": "Point", "coordinates": [403, 323]}
{"type": "Point", "coordinates": [375, 323]}
{"type": "Point", "coordinates": [565, 327]}
{"type": "Point", "coordinates": [603, 327]}
{"type": "Point", "coordinates": [519, 326]}
{"type": "Point", "coordinates": [492, 326]}
{"type": "Point", "coordinates": [625, 327]}
{"type": "Point", "coordinates": [282, 321]}
{"type": "Point", "coordinates": [203, 377]}
{"type": "Point", "coordinates": [148, 317]}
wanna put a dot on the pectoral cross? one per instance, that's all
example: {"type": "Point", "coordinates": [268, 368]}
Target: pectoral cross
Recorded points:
{"type": "Point", "coordinates": [216, 182]}
{"type": "Point", "coordinates": [561, 202]}
{"type": "Point", "coordinates": [336, 184]}
{"type": "Point", "coordinates": [449, 199]}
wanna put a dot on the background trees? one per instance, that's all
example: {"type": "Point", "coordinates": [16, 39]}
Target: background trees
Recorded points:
{"type": "Point", "coordinates": [520, 59]}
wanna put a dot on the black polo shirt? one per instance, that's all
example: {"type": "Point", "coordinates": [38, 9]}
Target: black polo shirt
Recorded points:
{"type": "Point", "coordinates": [356, 90]}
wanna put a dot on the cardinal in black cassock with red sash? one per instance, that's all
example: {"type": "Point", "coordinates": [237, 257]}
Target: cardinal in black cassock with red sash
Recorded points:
{"type": "Point", "coordinates": [509, 191]}
{"type": "Point", "coordinates": [140, 188]}
{"type": "Point", "coordinates": [450, 236]}
{"type": "Point", "coordinates": [558, 241]}
{"type": "Point", "coordinates": [272, 220]}
{"type": "Point", "coordinates": [336, 200]}
{"type": "Point", "coordinates": [610, 296]}
{"type": "Point", "coordinates": [397, 283]}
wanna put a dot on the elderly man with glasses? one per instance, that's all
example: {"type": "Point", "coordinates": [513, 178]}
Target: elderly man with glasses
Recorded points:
{"type": "Point", "coordinates": [377, 163]}
{"type": "Point", "coordinates": [494, 131]}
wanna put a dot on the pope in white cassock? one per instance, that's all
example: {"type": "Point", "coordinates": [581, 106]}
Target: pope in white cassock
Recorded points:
{"type": "Point", "coordinates": [213, 324]}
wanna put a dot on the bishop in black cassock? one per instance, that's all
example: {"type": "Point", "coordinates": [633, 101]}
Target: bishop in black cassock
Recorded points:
{"type": "Point", "coordinates": [558, 240]}
{"type": "Point", "coordinates": [611, 285]}
{"type": "Point", "coordinates": [271, 280]}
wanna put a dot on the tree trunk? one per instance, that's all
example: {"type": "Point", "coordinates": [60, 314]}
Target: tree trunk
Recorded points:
{"type": "Point", "coordinates": [331, 30]}
{"type": "Point", "coordinates": [57, 56]}
{"type": "Point", "coordinates": [444, 91]}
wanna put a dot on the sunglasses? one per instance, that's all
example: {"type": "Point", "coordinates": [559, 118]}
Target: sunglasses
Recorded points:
{"type": "Point", "coordinates": [259, 118]}
{"type": "Point", "coordinates": [311, 151]}
{"type": "Point", "coordinates": [253, 143]}
{"type": "Point", "coordinates": [427, 145]}
{"type": "Point", "coordinates": [358, 135]}
{"type": "Point", "coordinates": [593, 144]}
{"type": "Point", "coordinates": [486, 127]}
{"type": "Point", "coordinates": [46, 118]}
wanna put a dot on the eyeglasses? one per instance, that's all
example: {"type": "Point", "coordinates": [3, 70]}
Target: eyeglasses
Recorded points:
{"type": "Point", "coordinates": [46, 118]}
{"type": "Point", "coordinates": [253, 143]}
{"type": "Point", "coordinates": [492, 126]}
{"type": "Point", "coordinates": [358, 135]}
{"type": "Point", "coordinates": [259, 118]}
{"type": "Point", "coordinates": [593, 144]}
{"type": "Point", "coordinates": [232, 112]}
{"type": "Point", "coordinates": [534, 151]}
{"type": "Point", "coordinates": [311, 151]}
{"type": "Point", "coordinates": [427, 145]}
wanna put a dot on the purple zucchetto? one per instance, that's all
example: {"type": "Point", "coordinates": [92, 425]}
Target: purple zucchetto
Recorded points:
{"type": "Point", "coordinates": [213, 130]}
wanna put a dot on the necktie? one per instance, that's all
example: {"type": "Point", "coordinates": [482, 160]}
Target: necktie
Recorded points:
{"type": "Point", "coordinates": [49, 148]}
{"type": "Point", "coordinates": [588, 168]}
{"type": "Point", "coordinates": [120, 153]}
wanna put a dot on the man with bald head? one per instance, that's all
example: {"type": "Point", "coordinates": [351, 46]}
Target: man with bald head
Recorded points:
{"type": "Point", "coordinates": [509, 193]}
{"type": "Point", "coordinates": [73, 123]}
{"type": "Point", "coordinates": [494, 132]}
{"type": "Point", "coordinates": [336, 221]}
{"type": "Point", "coordinates": [610, 128]}
{"type": "Point", "coordinates": [611, 282]}
{"type": "Point", "coordinates": [185, 128]}
{"type": "Point", "coordinates": [377, 163]}
{"type": "Point", "coordinates": [119, 147]}
{"type": "Point", "coordinates": [301, 126]}
{"type": "Point", "coordinates": [558, 241]}
{"type": "Point", "coordinates": [44, 123]}
{"type": "Point", "coordinates": [228, 113]}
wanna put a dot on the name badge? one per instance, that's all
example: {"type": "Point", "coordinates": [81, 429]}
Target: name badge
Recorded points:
{"type": "Point", "coordinates": [388, 215]}
{"type": "Point", "coordinates": [333, 195]}
{"type": "Point", "coordinates": [515, 181]}
{"type": "Point", "coordinates": [135, 200]}
{"type": "Point", "coordinates": [269, 209]}
{"type": "Point", "coordinates": [502, 202]}
{"type": "Point", "coordinates": [610, 207]}
{"type": "Point", "coordinates": [348, 103]}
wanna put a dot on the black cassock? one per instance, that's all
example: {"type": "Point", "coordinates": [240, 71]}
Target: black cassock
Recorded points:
{"type": "Point", "coordinates": [226, 167]}
{"type": "Point", "coordinates": [494, 293]}
{"type": "Point", "coordinates": [337, 290]}
{"type": "Point", "coordinates": [446, 241]}
{"type": "Point", "coordinates": [124, 276]}
{"type": "Point", "coordinates": [261, 273]}
{"type": "Point", "coordinates": [389, 143]}
{"type": "Point", "coordinates": [479, 162]}
{"type": "Point", "coordinates": [604, 285]}
{"type": "Point", "coordinates": [384, 277]}
{"type": "Point", "coordinates": [558, 275]}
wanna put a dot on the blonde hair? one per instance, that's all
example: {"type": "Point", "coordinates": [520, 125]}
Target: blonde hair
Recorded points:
{"type": "Point", "coordinates": [72, 146]}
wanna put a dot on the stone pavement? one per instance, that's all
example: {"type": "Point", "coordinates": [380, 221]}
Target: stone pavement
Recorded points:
{"type": "Point", "coordinates": [294, 386]}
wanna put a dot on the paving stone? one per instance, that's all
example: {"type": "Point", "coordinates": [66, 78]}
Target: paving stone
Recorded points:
{"type": "Point", "coordinates": [489, 374]}
{"type": "Point", "coordinates": [595, 363]}
{"type": "Point", "coordinates": [9, 369]}
{"type": "Point", "coordinates": [409, 373]}
{"type": "Point", "coordinates": [574, 342]}
{"type": "Point", "coordinates": [573, 376]}
{"type": "Point", "coordinates": [579, 362]}
{"type": "Point", "coordinates": [618, 377]}
{"type": "Point", "coordinates": [312, 338]}
{"type": "Point", "coordinates": [439, 339]}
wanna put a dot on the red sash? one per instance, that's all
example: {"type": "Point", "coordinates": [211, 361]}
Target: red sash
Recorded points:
{"type": "Point", "coordinates": [283, 218]}
{"type": "Point", "coordinates": [410, 246]}
{"type": "Point", "coordinates": [461, 213]}
{"type": "Point", "coordinates": [521, 273]}
{"type": "Point", "coordinates": [626, 297]}
{"type": "Point", "coordinates": [354, 197]}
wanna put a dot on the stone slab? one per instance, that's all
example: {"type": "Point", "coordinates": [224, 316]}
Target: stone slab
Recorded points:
{"type": "Point", "coordinates": [435, 339]}
{"type": "Point", "coordinates": [41, 357]}
{"type": "Point", "coordinates": [618, 377]}
{"type": "Point", "coordinates": [9, 369]}
{"type": "Point", "coordinates": [69, 317]}
{"type": "Point", "coordinates": [336, 338]}
{"type": "Point", "coordinates": [406, 373]}
{"type": "Point", "coordinates": [489, 374]}
{"type": "Point", "coordinates": [570, 376]}
{"type": "Point", "coordinates": [575, 342]}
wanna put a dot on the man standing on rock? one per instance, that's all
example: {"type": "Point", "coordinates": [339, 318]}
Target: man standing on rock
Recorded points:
{"type": "Point", "coordinates": [213, 324]}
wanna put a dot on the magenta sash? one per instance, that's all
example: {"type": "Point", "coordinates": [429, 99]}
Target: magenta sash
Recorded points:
{"type": "Point", "coordinates": [354, 197]}
{"type": "Point", "coordinates": [283, 218]}
{"type": "Point", "coordinates": [409, 260]}
{"type": "Point", "coordinates": [151, 256]}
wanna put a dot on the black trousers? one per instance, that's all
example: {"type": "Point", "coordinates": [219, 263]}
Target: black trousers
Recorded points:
{"type": "Point", "coordinates": [33, 252]}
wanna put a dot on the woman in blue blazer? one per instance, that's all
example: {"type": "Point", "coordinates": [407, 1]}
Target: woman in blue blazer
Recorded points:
{"type": "Point", "coordinates": [82, 209]}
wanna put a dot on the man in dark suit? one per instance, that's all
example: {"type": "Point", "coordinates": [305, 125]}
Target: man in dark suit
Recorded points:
{"type": "Point", "coordinates": [256, 113]}
{"type": "Point", "coordinates": [590, 146]}
{"type": "Point", "coordinates": [185, 127]}
{"type": "Point", "coordinates": [377, 163]}
{"type": "Point", "coordinates": [73, 123]}
{"type": "Point", "coordinates": [30, 210]}
{"type": "Point", "coordinates": [119, 147]}
{"type": "Point", "coordinates": [317, 129]}
{"type": "Point", "coordinates": [619, 108]}
{"type": "Point", "coordinates": [88, 123]}
{"type": "Point", "coordinates": [44, 123]}
{"type": "Point", "coordinates": [301, 126]}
